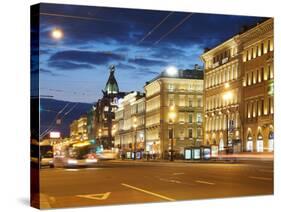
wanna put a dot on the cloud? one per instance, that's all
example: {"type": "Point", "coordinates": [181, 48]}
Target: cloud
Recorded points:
{"type": "Point", "coordinates": [125, 66]}
{"type": "Point", "coordinates": [66, 65]}
{"type": "Point", "coordinates": [168, 52]}
{"type": "Point", "coordinates": [90, 57]}
{"type": "Point", "coordinates": [147, 62]}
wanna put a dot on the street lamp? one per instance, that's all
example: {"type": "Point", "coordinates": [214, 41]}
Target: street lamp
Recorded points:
{"type": "Point", "coordinates": [227, 96]}
{"type": "Point", "coordinates": [172, 116]}
{"type": "Point", "coordinates": [135, 137]}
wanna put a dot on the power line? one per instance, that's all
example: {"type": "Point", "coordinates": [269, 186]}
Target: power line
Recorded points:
{"type": "Point", "coordinates": [52, 123]}
{"type": "Point", "coordinates": [155, 27]}
{"type": "Point", "coordinates": [81, 17]}
{"type": "Point", "coordinates": [174, 28]}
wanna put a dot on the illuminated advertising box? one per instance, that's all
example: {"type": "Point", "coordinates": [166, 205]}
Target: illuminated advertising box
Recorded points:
{"type": "Point", "coordinates": [187, 154]}
{"type": "Point", "coordinates": [196, 154]}
{"type": "Point", "coordinates": [206, 153]}
{"type": "Point", "coordinates": [54, 134]}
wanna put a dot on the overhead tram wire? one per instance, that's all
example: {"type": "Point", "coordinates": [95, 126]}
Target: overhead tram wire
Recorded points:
{"type": "Point", "coordinates": [65, 114]}
{"type": "Point", "coordinates": [52, 123]}
{"type": "Point", "coordinates": [154, 28]}
{"type": "Point", "coordinates": [81, 17]}
{"type": "Point", "coordinates": [174, 28]}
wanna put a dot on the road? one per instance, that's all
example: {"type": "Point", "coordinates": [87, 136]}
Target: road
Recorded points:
{"type": "Point", "coordinates": [141, 182]}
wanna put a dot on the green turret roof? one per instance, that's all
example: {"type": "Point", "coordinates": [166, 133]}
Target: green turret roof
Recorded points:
{"type": "Point", "coordinates": [111, 86]}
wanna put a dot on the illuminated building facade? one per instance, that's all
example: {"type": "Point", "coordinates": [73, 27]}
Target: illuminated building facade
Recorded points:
{"type": "Point", "coordinates": [257, 65]}
{"type": "Point", "coordinates": [129, 123]}
{"type": "Point", "coordinates": [173, 112]}
{"type": "Point", "coordinates": [78, 130]}
{"type": "Point", "coordinates": [105, 112]}
{"type": "Point", "coordinates": [238, 91]}
{"type": "Point", "coordinates": [223, 96]}
{"type": "Point", "coordinates": [74, 131]}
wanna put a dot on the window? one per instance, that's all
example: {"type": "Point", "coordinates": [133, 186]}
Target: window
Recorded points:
{"type": "Point", "coordinates": [262, 48]}
{"type": "Point", "coordinates": [262, 74]}
{"type": "Point", "coordinates": [199, 102]}
{"type": "Point", "coordinates": [252, 53]}
{"type": "Point", "coordinates": [268, 45]}
{"type": "Point", "coordinates": [257, 51]}
{"type": "Point", "coordinates": [190, 133]}
{"type": "Point", "coordinates": [231, 124]}
{"type": "Point", "coordinates": [190, 102]}
{"type": "Point", "coordinates": [262, 107]}
{"type": "Point", "coordinates": [270, 72]}
{"type": "Point", "coordinates": [199, 117]}
{"type": "Point", "coordinates": [199, 132]}
{"type": "Point", "coordinates": [190, 118]}
{"type": "Point", "coordinates": [171, 87]}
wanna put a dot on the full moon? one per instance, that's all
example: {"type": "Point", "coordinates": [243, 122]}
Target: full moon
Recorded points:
{"type": "Point", "coordinates": [57, 33]}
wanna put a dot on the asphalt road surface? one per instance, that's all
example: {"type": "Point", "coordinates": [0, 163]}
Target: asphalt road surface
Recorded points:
{"type": "Point", "coordinates": [141, 182]}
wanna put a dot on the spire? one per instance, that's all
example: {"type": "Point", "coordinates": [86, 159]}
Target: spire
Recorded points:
{"type": "Point", "coordinates": [111, 85]}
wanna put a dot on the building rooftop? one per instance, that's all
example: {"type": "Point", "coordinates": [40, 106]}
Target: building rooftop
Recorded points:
{"type": "Point", "coordinates": [111, 85]}
{"type": "Point", "coordinates": [196, 73]}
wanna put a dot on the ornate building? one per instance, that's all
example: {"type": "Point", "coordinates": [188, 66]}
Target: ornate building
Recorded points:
{"type": "Point", "coordinates": [238, 91]}
{"type": "Point", "coordinates": [258, 78]}
{"type": "Point", "coordinates": [129, 125]}
{"type": "Point", "coordinates": [105, 111]}
{"type": "Point", "coordinates": [173, 112]}
{"type": "Point", "coordinates": [223, 95]}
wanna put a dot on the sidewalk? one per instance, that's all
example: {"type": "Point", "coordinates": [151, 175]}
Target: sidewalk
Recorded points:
{"type": "Point", "coordinates": [226, 158]}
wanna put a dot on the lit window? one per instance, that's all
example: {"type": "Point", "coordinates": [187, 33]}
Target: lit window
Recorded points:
{"type": "Point", "coordinates": [171, 87]}
{"type": "Point", "coordinates": [190, 133]}
{"type": "Point", "coordinates": [199, 117]}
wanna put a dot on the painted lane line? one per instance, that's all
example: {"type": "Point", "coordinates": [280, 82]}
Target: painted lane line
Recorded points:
{"type": "Point", "coordinates": [266, 170]}
{"type": "Point", "coordinates": [148, 192]}
{"type": "Point", "coordinates": [261, 178]}
{"type": "Point", "coordinates": [178, 173]}
{"type": "Point", "coordinates": [204, 182]}
{"type": "Point", "coordinates": [170, 181]}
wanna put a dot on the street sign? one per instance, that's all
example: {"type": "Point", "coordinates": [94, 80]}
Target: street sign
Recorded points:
{"type": "Point", "coordinates": [102, 196]}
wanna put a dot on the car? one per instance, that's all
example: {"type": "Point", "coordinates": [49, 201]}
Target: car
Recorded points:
{"type": "Point", "coordinates": [47, 161]}
{"type": "Point", "coordinates": [107, 155]}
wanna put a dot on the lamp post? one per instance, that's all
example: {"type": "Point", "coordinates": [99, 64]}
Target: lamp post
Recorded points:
{"type": "Point", "coordinates": [172, 116]}
{"type": "Point", "coordinates": [99, 136]}
{"type": "Point", "coordinates": [227, 96]}
{"type": "Point", "coordinates": [135, 137]}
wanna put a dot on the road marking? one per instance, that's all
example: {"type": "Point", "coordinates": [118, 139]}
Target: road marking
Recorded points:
{"type": "Point", "coordinates": [71, 170]}
{"type": "Point", "coordinates": [266, 170]}
{"type": "Point", "coordinates": [178, 173]}
{"type": "Point", "coordinates": [148, 192]}
{"type": "Point", "coordinates": [102, 196]}
{"type": "Point", "coordinates": [170, 181]}
{"type": "Point", "coordinates": [261, 178]}
{"type": "Point", "coordinates": [204, 182]}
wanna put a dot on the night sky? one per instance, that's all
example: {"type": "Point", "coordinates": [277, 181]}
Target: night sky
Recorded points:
{"type": "Point", "coordinates": [140, 43]}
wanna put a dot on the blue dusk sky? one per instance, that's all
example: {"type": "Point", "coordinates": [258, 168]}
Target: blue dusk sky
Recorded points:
{"type": "Point", "coordinates": [140, 43]}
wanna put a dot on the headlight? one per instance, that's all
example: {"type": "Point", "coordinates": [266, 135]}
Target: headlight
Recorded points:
{"type": "Point", "coordinates": [88, 160]}
{"type": "Point", "coordinates": [71, 161]}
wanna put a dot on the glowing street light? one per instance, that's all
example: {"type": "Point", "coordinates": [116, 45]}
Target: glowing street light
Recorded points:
{"type": "Point", "coordinates": [135, 137]}
{"type": "Point", "coordinates": [226, 85]}
{"type": "Point", "coordinates": [57, 34]}
{"type": "Point", "coordinates": [227, 96]}
{"type": "Point", "coordinates": [172, 116]}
